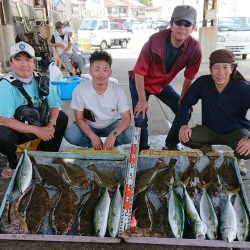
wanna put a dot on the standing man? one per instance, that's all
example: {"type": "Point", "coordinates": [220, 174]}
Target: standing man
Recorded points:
{"type": "Point", "coordinates": [164, 55]}
{"type": "Point", "coordinates": [61, 41]}
{"type": "Point", "coordinates": [101, 109]}
{"type": "Point", "coordinates": [29, 108]}
{"type": "Point", "coordinates": [225, 99]}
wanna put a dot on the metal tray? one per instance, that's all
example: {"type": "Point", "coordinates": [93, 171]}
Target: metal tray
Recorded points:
{"type": "Point", "coordinates": [116, 162]}
{"type": "Point", "coordinates": [148, 161]}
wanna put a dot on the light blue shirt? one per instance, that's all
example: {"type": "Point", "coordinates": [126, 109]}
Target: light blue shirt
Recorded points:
{"type": "Point", "coordinates": [11, 98]}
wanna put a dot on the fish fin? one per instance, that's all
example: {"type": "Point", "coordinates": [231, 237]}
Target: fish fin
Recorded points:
{"type": "Point", "coordinates": [204, 186]}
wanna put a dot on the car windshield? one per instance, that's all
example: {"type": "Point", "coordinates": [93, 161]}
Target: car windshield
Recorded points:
{"type": "Point", "coordinates": [234, 24]}
{"type": "Point", "coordinates": [88, 25]}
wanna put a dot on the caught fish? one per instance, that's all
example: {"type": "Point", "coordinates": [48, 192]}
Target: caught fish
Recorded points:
{"type": "Point", "coordinates": [241, 219]}
{"type": "Point", "coordinates": [228, 223]}
{"type": "Point", "coordinates": [139, 232]}
{"type": "Point", "coordinates": [74, 175]}
{"type": "Point", "coordinates": [24, 175]}
{"type": "Point", "coordinates": [16, 218]}
{"type": "Point", "coordinates": [226, 172]}
{"type": "Point", "coordinates": [48, 176]}
{"type": "Point", "coordinates": [144, 177]}
{"type": "Point", "coordinates": [208, 216]}
{"type": "Point", "coordinates": [199, 228]}
{"type": "Point", "coordinates": [37, 208]}
{"type": "Point", "coordinates": [104, 178]}
{"type": "Point", "coordinates": [176, 216]}
{"type": "Point", "coordinates": [85, 215]}
{"type": "Point", "coordinates": [162, 176]}
{"type": "Point", "coordinates": [208, 175]}
{"type": "Point", "coordinates": [101, 214]}
{"type": "Point", "coordinates": [115, 213]}
{"type": "Point", "coordinates": [64, 212]}
{"type": "Point", "coordinates": [142, 211]}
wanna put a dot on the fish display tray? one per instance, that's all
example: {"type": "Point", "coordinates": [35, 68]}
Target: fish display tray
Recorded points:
{"type": "Point", "coordinates": [147, 161]}
{"type": "Point", "coordinates": [114, 162]}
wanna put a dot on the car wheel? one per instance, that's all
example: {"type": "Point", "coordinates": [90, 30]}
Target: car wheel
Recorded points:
{"type": "Point", "coordinates": [124, 44]}
{"type": "Point", "coordinates": [244, 56]}
{"type": "Point", "coordinates": [103, 45]}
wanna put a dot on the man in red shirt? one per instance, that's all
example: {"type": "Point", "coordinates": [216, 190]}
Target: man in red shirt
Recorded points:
{"type": "Point", "coordinates": [162, 57]}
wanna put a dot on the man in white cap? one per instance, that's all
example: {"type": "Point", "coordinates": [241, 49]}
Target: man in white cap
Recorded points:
{"type": "Point", "coordinates": [29, 108]}
{"type": "Point", "coordinates": [162, 57]}
{"type": "Point", "coordinates": [60, 40]}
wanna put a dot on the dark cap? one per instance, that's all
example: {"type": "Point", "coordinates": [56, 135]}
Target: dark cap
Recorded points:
{"type": "Point", "coordinates": [221, 56]}
{"type": "Point", "coordinates": [58, 25]}
{"type": "Point", "coordinates": [184, 12]}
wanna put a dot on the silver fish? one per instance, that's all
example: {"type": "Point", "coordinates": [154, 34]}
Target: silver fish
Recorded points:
{"type": "Point", "coordinates": [199, 228]}
{"type": "Point", "coordinates": [241, 219]}
{"type": "Point", "coordinates": [208, 216]}
{"type": "Point", "coordinates": [24, 175]}
{"type": "Point", "coordinates": [115, 213]}
{"type": "Point", "coordinates": [176, 216]}
{"type": "Point", "coordinates": [228, 223]}
{"type": "Point", "coordinates": [101, 214]}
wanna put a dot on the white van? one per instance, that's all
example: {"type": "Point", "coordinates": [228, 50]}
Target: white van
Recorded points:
{"type": "Point", "coordinates": [103, 33]}
{"type": "Point", "coordinates": [234, 34]}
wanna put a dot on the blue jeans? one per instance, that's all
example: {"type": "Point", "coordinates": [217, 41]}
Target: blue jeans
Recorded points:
{"type": "Point", "coordinates": [169, 97]}
{"type": "Point", "coordinates": [74, 135]}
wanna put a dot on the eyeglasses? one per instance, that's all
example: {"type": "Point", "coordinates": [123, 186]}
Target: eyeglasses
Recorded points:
{"type": "Point", "coordinates": [184, 23]}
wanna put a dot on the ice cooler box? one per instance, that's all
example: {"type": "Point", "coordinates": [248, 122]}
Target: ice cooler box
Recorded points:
{"type": "Point", "coordinates": [65, 88]}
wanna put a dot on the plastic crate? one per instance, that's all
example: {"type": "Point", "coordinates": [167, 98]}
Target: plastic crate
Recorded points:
{"type": "Point", "coordinates": [65, 88]}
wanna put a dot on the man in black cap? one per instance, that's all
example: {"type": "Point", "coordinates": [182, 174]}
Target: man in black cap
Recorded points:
{"type": "Point", "coordinates": [61, 41]}
{"type": "Point", "coordinates": [165, 54]}
{"type": "Point", "coordinates": [225, 98]}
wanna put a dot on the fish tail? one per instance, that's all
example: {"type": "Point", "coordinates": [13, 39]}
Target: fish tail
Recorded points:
{"type": "Point", "coordinates": [184, 183]}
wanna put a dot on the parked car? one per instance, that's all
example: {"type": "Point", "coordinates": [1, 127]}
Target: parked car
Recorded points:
{"type": "Point", "coordinates": [160, 25]}
{"type": "Point", "coordinates": [131, 25]}
{"type": "Point", "coordinates": [103, 33]}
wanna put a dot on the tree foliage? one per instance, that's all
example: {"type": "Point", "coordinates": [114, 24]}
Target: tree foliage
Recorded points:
{"type": "Point", "coordinates": [146, 2]}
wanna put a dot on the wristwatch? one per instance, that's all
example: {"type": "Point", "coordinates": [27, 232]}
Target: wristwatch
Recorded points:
{"type": "Point", "coordinates": [114, 133]}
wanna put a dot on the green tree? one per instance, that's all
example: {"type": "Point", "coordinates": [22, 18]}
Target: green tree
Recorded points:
{"type": "Point", "coordinates": [146, 2]}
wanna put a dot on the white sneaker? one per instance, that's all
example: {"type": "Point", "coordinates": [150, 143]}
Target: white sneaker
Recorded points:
{"type": "Point", "coordinates": [242, 166]}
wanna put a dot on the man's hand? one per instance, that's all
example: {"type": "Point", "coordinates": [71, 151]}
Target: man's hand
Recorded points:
{"type": "Point", "coordinates": [185, 133]}
{"type": "Point", "coordinates": [141, 107]}
{"type": "Point", "coordinates": [243, 147]}
{"type": "Point", "coordinates": [96, 143]}
{"type": "Point", "coordinates": [109, 142]}
{"type": "Point", "coordinates": [45, 133]}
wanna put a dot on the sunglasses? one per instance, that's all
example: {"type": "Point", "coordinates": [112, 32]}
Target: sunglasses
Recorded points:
{"type": "Point", "coordinates": [184, 23]}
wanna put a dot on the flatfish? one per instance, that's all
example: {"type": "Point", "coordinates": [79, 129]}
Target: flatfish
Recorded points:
{"type": "Point", "coordinates": [208, 175]}
{"type": "Point", "coordinates": [74, 175]}
{"type": "Point", "coordinates": [85, 215]}
{"type": "Point", "coordinates": [104, 177]}
{"type": "Point", "coordinates": [145, 177]}
{"type": "Point", "coordinates": [64, 212]}
{"type": "Point", "coordinates": [159, 182]}
{"type": "Point", "coordinates": [226, 173]}
{"type": "Point", "coordinates": [37, 208]}
{"type": "Point", "coordinates": [16, 218]}
{"type": "Point", "coordinates": [142, 211]}
{"type": "Point", "coordinates": [48, 176]}
{"type": "Point", "coordinates": [191, 173]}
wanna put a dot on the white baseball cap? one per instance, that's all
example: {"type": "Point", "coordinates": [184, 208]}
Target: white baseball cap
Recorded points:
{"type": "Point", "coordinates": [22, 47]}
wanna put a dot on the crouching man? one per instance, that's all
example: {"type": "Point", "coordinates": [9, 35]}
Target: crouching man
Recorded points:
{"type": "Point", "coordinates": [29, 108]}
